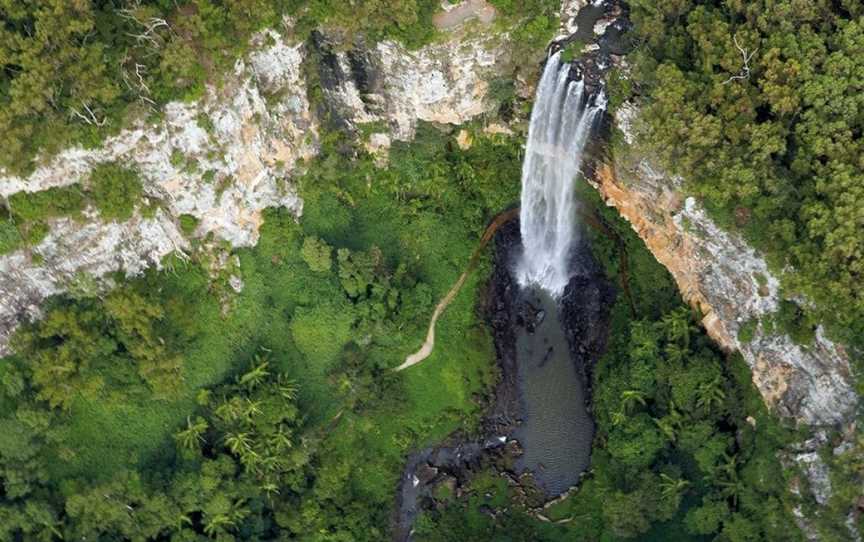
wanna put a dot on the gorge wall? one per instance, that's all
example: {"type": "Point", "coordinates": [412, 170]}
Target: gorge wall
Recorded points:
{"type": "Point", "coordinates": [730, 283]}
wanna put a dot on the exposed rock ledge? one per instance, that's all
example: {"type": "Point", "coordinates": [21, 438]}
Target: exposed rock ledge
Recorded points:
{"type": "Point", "coordinates": [721, 275]}
{"type": "Point", "coordinates": [262, 127]}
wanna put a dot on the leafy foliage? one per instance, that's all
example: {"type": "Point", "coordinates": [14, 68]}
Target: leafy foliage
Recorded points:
{"type": "Point", "coordinates": [188, 223]}
{"type": "Point", "coordinates": [408, 21]}
{"type": "Point", "coordinates": [159, 412]}
{"type": "Point", "coordinates": [759, 106]}
{"type": "Point", "coordinates": [317, 254]}
{"type": "Point", "coordinates": [10, 237]}
{"type": "Point", "coordinates": [115, 190]}
{"type": "Point", "coordinates": [50, 203]}
{"type": "Point", "coordinates": [533, 23]}
{"type": "Point", "coordinates": [80, 348]}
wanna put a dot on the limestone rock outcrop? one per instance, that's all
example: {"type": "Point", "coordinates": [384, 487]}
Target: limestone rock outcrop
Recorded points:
{"type": "Point", "coordinates": [444, 82]}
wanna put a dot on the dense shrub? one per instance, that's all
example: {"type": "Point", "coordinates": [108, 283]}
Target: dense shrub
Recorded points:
{"type": "Point", "coordinates": [317, 254]}
{"type": "Point", "coordinates": [10, 237]}
{"type": "Point", "coordinates": [51, 203]}
{"type": "Point", "coordinates": [188, 223]}
{"type": "Point", "coordinates": [115, 191]}
{"type": "Point", "coordinates": [321, 332]}
{"type": "Point", "coordinates": [772, 145]}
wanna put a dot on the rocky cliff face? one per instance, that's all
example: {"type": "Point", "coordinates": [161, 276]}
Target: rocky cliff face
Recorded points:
{"type": "Point", "coordinates": [718, 273]}
{"type": "Point", "coordinates": [386, 84]}
{"type": "Point", "coordinates": [229, 156]}
{"type": "Point", "coordinates": [721, 275]}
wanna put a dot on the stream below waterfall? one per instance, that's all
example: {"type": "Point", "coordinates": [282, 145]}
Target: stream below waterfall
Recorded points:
{"type": "Point", "coordinates": [556, 431]}
{"type": "Point", "coordinates": [538, 430]}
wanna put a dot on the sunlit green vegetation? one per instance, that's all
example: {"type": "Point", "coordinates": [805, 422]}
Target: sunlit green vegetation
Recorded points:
{"type": "Point", "coordinates": [25, 214]}
{"type": "Point", "coordinates": [407, 21]}
{"type": "Point", "coordinates": [115, 191]}
{"type": "Point", "coordinates": [271, 412]}
{"type": "Point", "coordinates": [531, 23]}
{"type": "Point", "coordinates": [759, 106]}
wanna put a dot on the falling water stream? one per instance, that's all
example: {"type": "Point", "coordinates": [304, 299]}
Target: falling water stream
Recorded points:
{"type": "Point", "coordinates": [557, 431]}
{"type": "Point", "coordinates": [560, 126]}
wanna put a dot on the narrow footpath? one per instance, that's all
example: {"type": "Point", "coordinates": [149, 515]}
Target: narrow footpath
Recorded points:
{"type": "Point", "coordinates": [426, 350]}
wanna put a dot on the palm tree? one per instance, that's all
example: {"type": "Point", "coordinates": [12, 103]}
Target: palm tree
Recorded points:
{"type": "Point", "coordinates": [725, 476]}
{"type": "Point", "coordinates": [671, 423]}
{"type": "Point", "coordinates": [282, 438]}
{"type": "Point", "coordinates": [213, 524]}
{"type": "Point", "coordinates": [667, 428]}
{"type": "Point", "coordinates": [677, 326]}
{"type": "Point", "coordinates": [675, 352]}
{"type": "Point", "coordinates": [287, 388]}
{"type": "Point", "coordinates": [257, 375]}
{"type": "Point", "coordinates": [183, 520]}
{"type": "Point", "coordinates": [239, 443]}
{"type": "Point", "coordinates": [251, 409]}
{"type": "Point", "coordinates": [711, 394]}
{"type": "Point", "coordinates": [192, 437]}
{"type": "Point", "coordinates": [672, 488]}
{"type": "Point", "coordinates": [629, 398]}
{"type": "Point", "coordinates": [232, 409]}
{"type": "Point", "coordinates": [227, 520]}
{"type": "Point", "coordinates": [643, 341]}
{"type": "Point", "coordinates": [270, 488]}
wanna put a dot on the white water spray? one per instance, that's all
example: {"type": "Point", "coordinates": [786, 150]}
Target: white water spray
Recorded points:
{"type": "Point", "coordinates": [561, 123]}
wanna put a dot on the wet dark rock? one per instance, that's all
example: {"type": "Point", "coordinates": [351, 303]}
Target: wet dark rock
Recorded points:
{"type": "Point", "coordinates": [426, 473]}
{"type": "Point", "coordinates": [514, 448]}
{"type": "Point", "coordinates": [358, 71]}
{"type": "Point", "coordinates": [585, 303]}
{"type": "Point", "coordinates": [547, 356]}
{"type": "Point", "coordinates": [592, 65]}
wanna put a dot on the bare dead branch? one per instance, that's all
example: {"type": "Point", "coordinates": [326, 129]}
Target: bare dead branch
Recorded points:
{"type": "Point", "coordinates": [141, 84]}
{"type": "Point", "coordinates": [91, 117]}
{"type": "Point", "coordinates": [747, 56]}
{"type": "Point", "coordinates": [149, 35]}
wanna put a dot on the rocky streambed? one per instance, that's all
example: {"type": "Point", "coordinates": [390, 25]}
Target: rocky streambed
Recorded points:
{"type": "Point", "coordinates": [537, 430]}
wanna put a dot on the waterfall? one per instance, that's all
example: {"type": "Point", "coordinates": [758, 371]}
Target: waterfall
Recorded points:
{"type": "Point", "coordinates": [561, 123]}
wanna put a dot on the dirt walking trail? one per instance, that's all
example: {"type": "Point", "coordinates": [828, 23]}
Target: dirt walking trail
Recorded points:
{"type": "Point", "coordinates": [425, 350]}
